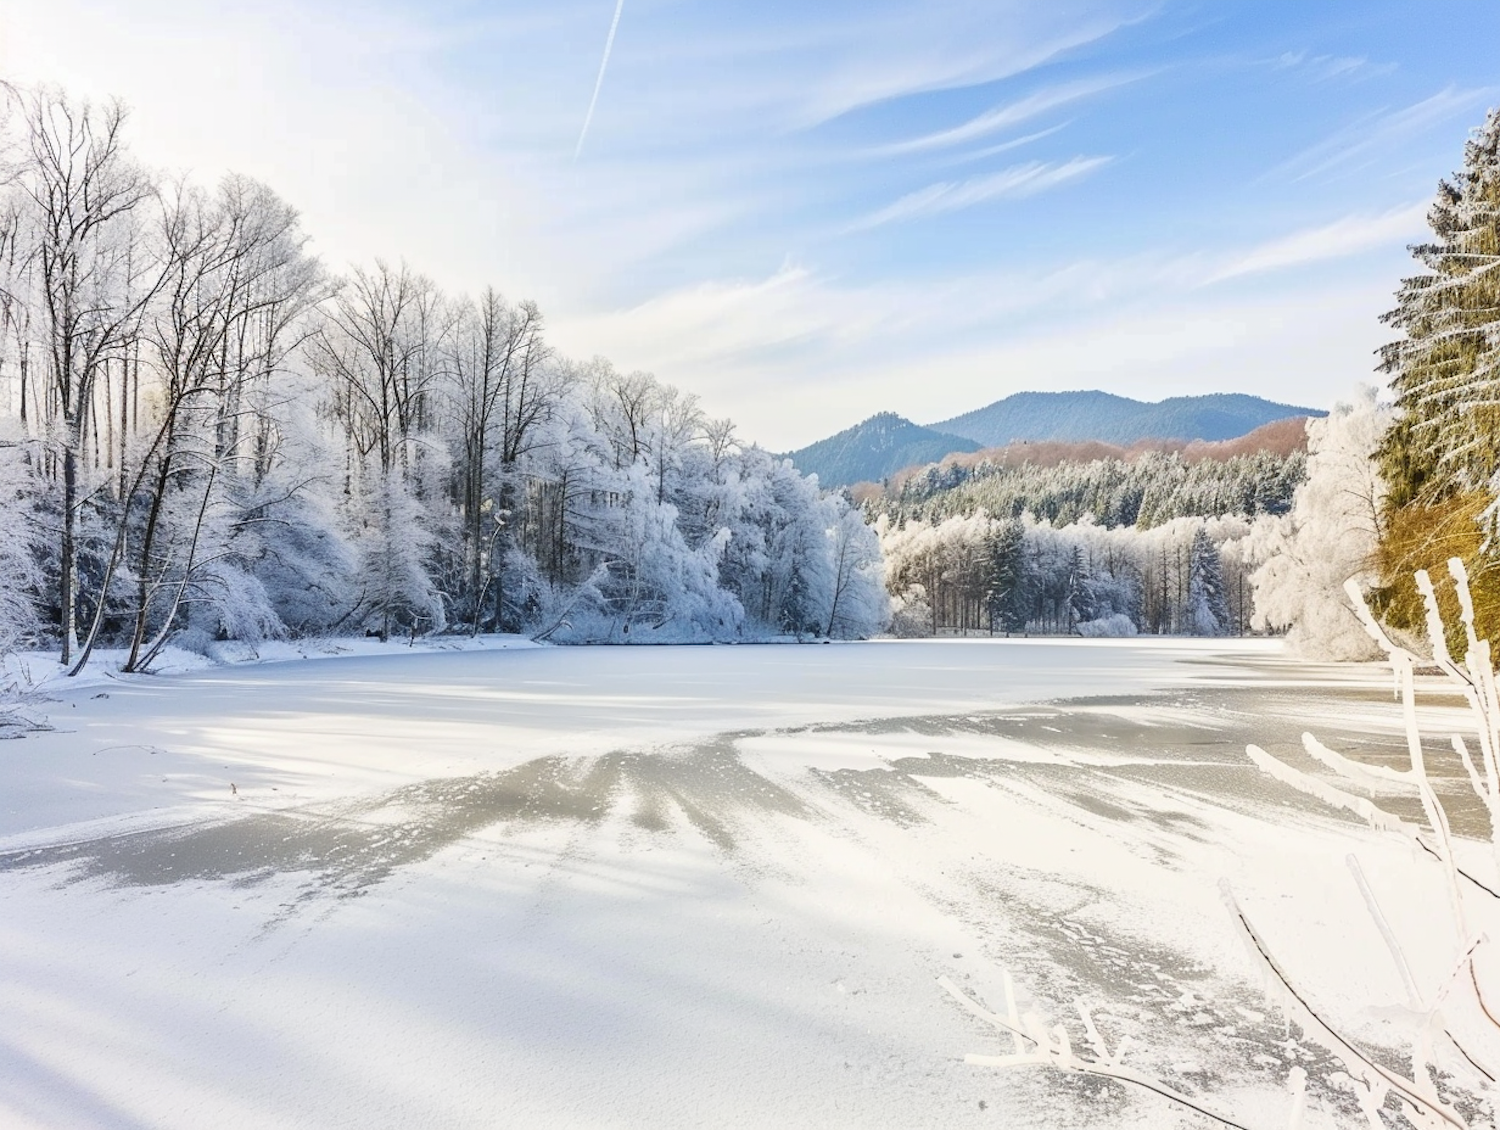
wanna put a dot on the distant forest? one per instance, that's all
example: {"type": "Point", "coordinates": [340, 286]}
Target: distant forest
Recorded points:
{"type": "Point", "coordinates": [1085, 538]}
{"type": "Point", "coordinates": [1063, 483]}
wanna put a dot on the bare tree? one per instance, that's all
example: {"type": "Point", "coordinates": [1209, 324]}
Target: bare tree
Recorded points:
{"type": "Point", "coordinates": [381, 347]}
{"type": "Point", "coordinates": [80, 195]}
{"type": "Point", "coordinates": [378, 345]}
{"type": "Point", "coordinates": [623, 407]}
{"type": "Point", "coordinates": [499, 394]}
{"type": "Point", "coordinates": [677, 422]}
{"type": "Point", "coordinates": [236, 280]}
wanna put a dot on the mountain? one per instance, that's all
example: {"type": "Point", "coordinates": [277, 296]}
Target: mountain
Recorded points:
{"type": "Point", "coordinates": [1076, 416]}
{"type": "Point", "coordinates": [872, 450]}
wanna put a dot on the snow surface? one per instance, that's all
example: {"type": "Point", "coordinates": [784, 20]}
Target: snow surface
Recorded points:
{"type": "Point", "coordinates": [679, 886]}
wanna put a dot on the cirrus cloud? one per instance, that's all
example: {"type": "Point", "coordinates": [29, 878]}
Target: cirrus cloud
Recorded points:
{"type": "Point", "coordinates": [1014, 183]}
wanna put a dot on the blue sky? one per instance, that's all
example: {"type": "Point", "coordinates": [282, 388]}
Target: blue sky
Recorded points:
{"type": "Point", "coordinates": [810, 213]}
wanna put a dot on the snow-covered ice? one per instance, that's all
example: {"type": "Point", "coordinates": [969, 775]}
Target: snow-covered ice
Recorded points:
{"type": "Point", "coordinates": [675, 886]}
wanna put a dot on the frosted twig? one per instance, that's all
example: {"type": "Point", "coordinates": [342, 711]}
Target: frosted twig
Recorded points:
{"type": "Point", "coordinates": [1054, 1049]}
{"type": "Point", "coordinates": [1432, 851]}
{"type": "Point", "coordinates": [1362, 807]}
{"type": "Point", "coordinates": [1472, 1062]}
{"type": "Point", "coordinates": [1461, 748]}
{"type": "Point", "coordinates": [1296, 1080]}
{"type": "Point", "coordinates": [1398, 957]}
{"type": "Point", "coordinates": [1314, 1025]}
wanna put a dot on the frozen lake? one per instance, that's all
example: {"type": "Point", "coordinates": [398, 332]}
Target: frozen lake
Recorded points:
{"type": "Point", "coordinates": [671, 886]}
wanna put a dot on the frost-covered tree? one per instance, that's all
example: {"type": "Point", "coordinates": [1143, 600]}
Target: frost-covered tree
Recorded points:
{"type": "Point", "coordinates": [78, 204]}
{"type": "Point", "coordinates": [20, 538]}
{"type": "Point", "coordinates": [1207, 603]}
{"type": "Point", "coordinates": [1330, 536]}
{"type": "Point", "coordinates": [498, 392]}
{"type": "Point", "coordinates": [237, 279]}
{"type": "Point", "coordinates": [1441, 453]}
{"type": "Point", "coordinates": [380, 347]}
{"type": "Point", "coordinates": [857, 601]}
{"type": "Point", "coordinates": [1445, 368]}
{"type": "Point", "coordinates": [1082, 605]}
{"type": "Point", "coordinates": [393, 577]}
{"type": "Point", "coordinates": [1006, 596]}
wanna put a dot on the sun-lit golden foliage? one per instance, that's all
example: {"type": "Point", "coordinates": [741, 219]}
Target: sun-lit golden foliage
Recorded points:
{"type": "Point", "coordinates": [1424, 537]}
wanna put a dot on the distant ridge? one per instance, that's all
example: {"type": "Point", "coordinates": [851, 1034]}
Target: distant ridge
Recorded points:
{"type": "Point", "coordinates": [880, 446]}
{"type": "Point", "coordinates": [1279, 437]}
{"type": "Point", "coordinates": [1077, 417]}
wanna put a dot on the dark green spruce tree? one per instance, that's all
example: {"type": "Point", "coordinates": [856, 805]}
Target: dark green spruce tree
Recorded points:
{"type": "Point", "coordinates": [1445, 368]}
{"type": "Point", "coordinates": [1207, 601]}
{"type": "Point", "coordinates": [1441, 456]}
{"type": "Point", "coordinates": [1007, 593]}
{"type": "Point", "coordinates": [1082, 604]}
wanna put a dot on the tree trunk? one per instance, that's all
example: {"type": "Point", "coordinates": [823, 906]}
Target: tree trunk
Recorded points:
{"type": "Point", "coordinates": [69, 571]}
{"type": "Point", "coordinates": [148, 543]}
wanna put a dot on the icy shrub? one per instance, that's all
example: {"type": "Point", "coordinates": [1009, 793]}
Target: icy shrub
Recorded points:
{"type": "Point", "coordinates": [1114, 626]}
{"type": "Point", "coordinates": [194, 640]}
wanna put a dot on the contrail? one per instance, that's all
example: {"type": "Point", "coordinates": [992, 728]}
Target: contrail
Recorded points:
{"type": "Point", "coordinates": [599, 82]}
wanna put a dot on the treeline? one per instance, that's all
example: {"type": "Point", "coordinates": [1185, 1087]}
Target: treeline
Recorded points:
{"type": "Point", "coordinates": [980, 574]}
{"type": "Point", "coordinates": [1155, 488]}
{"type": "Point", "coordinates": [211, 437]}
{"type": "Point", "coordinates": [1161, 542]}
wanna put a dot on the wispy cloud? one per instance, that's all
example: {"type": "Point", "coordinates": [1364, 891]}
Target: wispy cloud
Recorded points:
{"type": "Point", "coordinates": [1375, 136]}
{"type": "Point", "coordinates": [901, 50]}
{"type": "Point", "coordinates": [1348, 236]}
{"type": "Point", "coordinates": [1005, 146]}
{"type": "Point", "coordinates": [1325, 68]}
{"type": "Point", "coordinates": [1010, 114]}
{"type": "Point", "coordinates": [609, 45]}
{"type": "Point", "coordinates": [950, 196]}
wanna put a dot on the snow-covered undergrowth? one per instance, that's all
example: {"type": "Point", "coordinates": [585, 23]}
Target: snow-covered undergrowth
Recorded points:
{"type": "Point", "coordinates": [675, 886]}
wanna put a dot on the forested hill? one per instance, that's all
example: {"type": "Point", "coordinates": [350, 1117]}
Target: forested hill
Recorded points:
{"type": "Point", "coordinates": [1077, 416]}
{"type": "Point", "coordinates": [875, 449]}
{"type": "Point", "coordinates": [1142, 489]}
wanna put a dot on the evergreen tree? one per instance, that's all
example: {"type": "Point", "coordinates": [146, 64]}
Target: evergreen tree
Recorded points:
{"type": "Point", "coordinates": [1082, 605]}
{"type": "Point", "coordinates": [1207, 602]}
{"type": "Point", "coordinates": [1007, 591]}
{"type": "Point", "coordinates": [1441, 455]}
{"type": "Point", "coordinates": [1445, 370]}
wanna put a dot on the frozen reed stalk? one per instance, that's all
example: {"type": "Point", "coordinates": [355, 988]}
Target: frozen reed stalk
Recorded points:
{"type": "Point", "coordinates": [1398, 957]}
{"type": "Point", "coordinates": [1372, 1077]}
{"type": "Point", "coordinates": [1296, 1081]}
{"type": "Point", "coordinates": [1052, 1047]}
